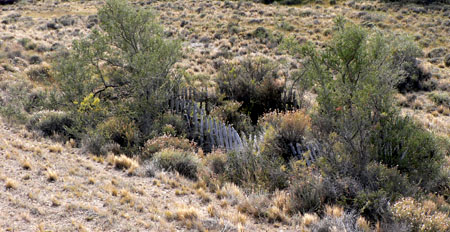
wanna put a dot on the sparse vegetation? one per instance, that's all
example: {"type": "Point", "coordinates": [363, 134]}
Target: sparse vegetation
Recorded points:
{"type": "Point", "coordinates": [327, 147]}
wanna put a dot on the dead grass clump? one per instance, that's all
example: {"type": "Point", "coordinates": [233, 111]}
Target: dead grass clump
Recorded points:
{"type": "Point", "coordinates": [309, 219]}
{"type": "Point", "coordinates": [334, 211]}
{"type": "Point", "coordinates": [55, 148]}
{"type": "Point", "coordinates": [51, 176]}
{"type": "Point", "coordinates": [26, 164]}
{"type": "Point", "coordinates": [11, 184]}
{"type": "Point", "coordinates": [189, 216]}
{"type": "Point", "coordinates": [123, 163]}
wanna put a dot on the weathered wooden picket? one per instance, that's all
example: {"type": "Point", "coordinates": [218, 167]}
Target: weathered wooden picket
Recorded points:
{"type": "Point", "coordinates": [206, 130]}
{"type": "Point", "coordinates": [211, 133]}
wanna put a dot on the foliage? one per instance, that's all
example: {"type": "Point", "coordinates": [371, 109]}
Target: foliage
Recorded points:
{"type": "Point", "coordinates": [157, 144]}
{"type": "Point", "coordinates": [255, 171]}
{"type": "Point", "coordinates": [284, 129]}
{"type": "Point", "coordinates": [255, 83]}
{"type": "Point", "coordinates": [229, 113]}
{"type": "Point", "coordinates": [423, 216]}
{"type": "Point", "coordinates": [183, 162]}
{"type": "Point", "coordinates": [440, 98]}
{"type": "Point", "coordinates": [401, 143]}
{"type": "Point", "coordinates": [121, 69]}
{"type": "Point", "coordinates": [284, 2]}
{"type": "Point", "coordinates": [50, 122]}
{"type": "Point", "coordinates": [364, 141]}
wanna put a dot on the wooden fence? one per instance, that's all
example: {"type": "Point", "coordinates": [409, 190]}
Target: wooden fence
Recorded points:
{"type": "Point", "coordinates": [211, 133]}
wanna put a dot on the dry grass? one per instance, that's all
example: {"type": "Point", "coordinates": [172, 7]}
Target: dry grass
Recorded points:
{"type": "Point", "coordinates": [363, 224]}
{"type": "Point", "coordinates": [309, 219]}
{"type": "Point", "coordinates": [55, 148]}
{"type": "Point", "coordinates": [26, 164]}
{"type": "Point", "coordinates": [52, 176]}
{"type": "Point", "coordinates": [11, 184]}
{"type": "Point", "coordinates": [334, 211]}
{"type": "Point", "coordinates": [123, 163]}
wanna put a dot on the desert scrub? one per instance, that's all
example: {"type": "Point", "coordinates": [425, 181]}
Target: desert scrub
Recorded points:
{"type": "Point", "coordinates": [423, 216]}
{"type": "Point", "coordinates": [255, 83]}
{"type": "Point", "coordinates": [284, 130]}
{"type": "Point", "coordinates": [255, 171]}
{"type": "Point", "coordinates": [183, 162]}
{"type": "Point", "coordinates": [440, 98]}
{"type": "Point", "coordinates": [50, 122]}
{"type": "Point", "coordinates": [121, 71]}
{"type": "Point", "coordinates": [39, 73]}
{"type": "Point", "coordinates": [157, 144]}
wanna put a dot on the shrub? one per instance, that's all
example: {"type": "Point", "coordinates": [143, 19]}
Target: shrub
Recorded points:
{"type": "Point", "coordinates": [119, 130]}
{"type": "Point", "coordinates": [346, 222]}
{"type": "Point", "coordinates": [306, 194]}
{"type": "Point", "coordinates": [157, 144]}
{"type": "Point", "coordinates": [169, 124]}
{"type": "Point", "coordinates": [95, 144]}
{"type": "Point", "coordinates": [39, 73]}
{"type": "Point", "coordinates": [185, 163]}
{"type": "Point", "coordinates": [401, 143]}
{"type": "Point", "coordinates": [255, 171]}
{"type": "Point", "coordinates": [217, 161]}
{"type": "Point", "coordinates": [284, 131]}
{"type": "Point", "coordinates": [51, 122]}
{"type": "Point", "coordinates": [423, 216]}
{"type": "Point", "coordinates": [440, 98]}
{"type": "Point", "coordinates": [229, 113]}
{"type": "Point", "coordinates": [123, 68]}
{"type": "Point", "coordinates": [254, 83]}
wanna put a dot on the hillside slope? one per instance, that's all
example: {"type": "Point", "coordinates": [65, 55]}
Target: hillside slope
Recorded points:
{"type": "Point", "coordinates": [49, 187]}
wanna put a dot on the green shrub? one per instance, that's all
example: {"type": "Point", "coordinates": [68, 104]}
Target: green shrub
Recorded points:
{"type": "Point", "coordinates": [229, 113]}
{"type": "Point", "coordinates": [284, 130]}
{"type": "Point", "coordinates": [217, 162]}
{"type": "Point", "coordinates": [39, 73]}
{"type": "Point", "coordinates": [440, 98]}
{"type": "Point", "coordinates": [169, 124]}
{"type": "Point", "coordinates": [157, 144]}
{"type": "Point", "coordinates": [414, 151]}
{"type": "Point", "coordinates": [51, 122]}
{"type": "Point", "coordinates": [253, 82]}
{"type": "Point", "coordinates": [123, 69]}
{"type": "Point", "coordinates": [185, 163]}
{"type": "Point", "coordinates": [256, 171]}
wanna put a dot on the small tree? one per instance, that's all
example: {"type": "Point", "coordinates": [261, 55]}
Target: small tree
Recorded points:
{"type": "Point", "coordinates": [123, 66]}
{"type": "Point", "coordinates": [355, 77]}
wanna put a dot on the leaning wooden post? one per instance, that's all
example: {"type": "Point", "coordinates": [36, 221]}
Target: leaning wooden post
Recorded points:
{"type": "Point", "coordinates": [201, 128]}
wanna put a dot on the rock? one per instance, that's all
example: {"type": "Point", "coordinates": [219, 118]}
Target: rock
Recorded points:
{"type": "Point", "coordinates": [437, 52]}
{"type": "Point", "coordinates": [447, 60]}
